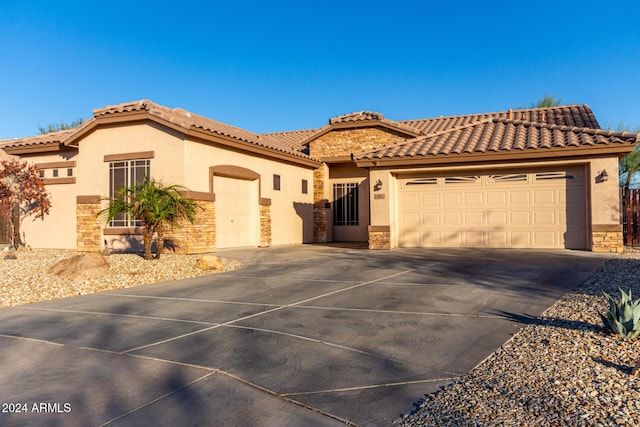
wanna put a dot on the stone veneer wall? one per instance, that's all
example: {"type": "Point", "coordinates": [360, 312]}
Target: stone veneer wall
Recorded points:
{"type": "Point", "coordinates": [379, 237]}
{"type": "Point", "coordinates": [320, 204]}
{"type": "Point", "coordinates": [89, 231]}
{"type": "Point", "coordinates": [607, 238]}
{"type": "Point", "coordinates": [196, 238]}
{"type": "Point", "coordinates": [342, 142]}
{"type": "Point", "coordinates": [265, 225]}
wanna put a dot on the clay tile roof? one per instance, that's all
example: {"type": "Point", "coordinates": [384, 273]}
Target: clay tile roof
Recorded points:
{"type": "Point", "coordinates": [502, 135]}
{"type": "Point", "coordinates": [188, 120]}
{"type": "Point", "coordinates": [48, 139]}
{"type": "Point", "coordinates": [569, 115]}
{"type": "Point", "coordinates": [293, 138]}
{"type": "Point", "coordinates": [356, 117]}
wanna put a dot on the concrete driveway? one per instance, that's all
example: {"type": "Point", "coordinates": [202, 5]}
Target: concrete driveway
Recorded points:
{"type": "Point", "coordinates": [303, 335]}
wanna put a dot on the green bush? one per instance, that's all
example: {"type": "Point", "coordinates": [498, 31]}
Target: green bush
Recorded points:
{"type": "Point", "coordinates": [623, 319]}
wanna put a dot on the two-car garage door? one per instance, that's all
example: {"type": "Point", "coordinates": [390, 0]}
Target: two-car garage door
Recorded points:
{"type": "Point", "coordinates": [531, 209]}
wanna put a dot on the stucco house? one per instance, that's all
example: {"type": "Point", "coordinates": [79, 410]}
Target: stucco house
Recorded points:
{"type": "Point", "coordinates": [531, 178]}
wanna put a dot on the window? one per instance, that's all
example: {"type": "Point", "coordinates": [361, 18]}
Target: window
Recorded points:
{"type": "Point", "coordinates": [69, 172]}
{"type": "Point", "coordinates": [126, 173]}
{"type": "Point", "coordinates": [462, 180]}
{"type": "Point", "coordinates": [305, 186]}
{"type": "Point", "coordinates": [276, 182]}
{"type": "Point", "coordinates": [422, 181]}
{"type": "Point", "coordinates": [345, 204]}
{"type": "Point", "coordinates": [55, 173]}
{"type": "Point", "coordinates": [41, 173]}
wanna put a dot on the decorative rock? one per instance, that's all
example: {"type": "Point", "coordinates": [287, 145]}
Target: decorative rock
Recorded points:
{"type": "Point", "coordinates": [209, 262]}
{"type": "Point", "coordinates": [83, 266]}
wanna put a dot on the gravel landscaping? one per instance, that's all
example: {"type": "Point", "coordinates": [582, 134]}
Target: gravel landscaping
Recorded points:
{"type": "Point", "coordinates": [25, 280]}
{"type": "Point", "coordinates": [560, 369]}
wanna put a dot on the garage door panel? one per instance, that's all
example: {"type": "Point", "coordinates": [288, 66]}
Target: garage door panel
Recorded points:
{"type": "Point", "coordinates": [431, 218]}
{"type": "Point", "coordinates": [473, 199]}
{"type": "Point", "coordinates": [520, 218]}
{"type": "Point", "coordinates": [452, 199]}
{"type": "Point", "coordinates": [474, 218]}
{"type": "Point", "coordinates": [412, 218]}
{"type": "Point", "coordinates": [541, 197]}
{"type": "Point", "coordinates": [497, 238]}
{"type": "Point", "coordinates": [545, 218]}
{"type": "Point", "coordinates": [453, 218]}
{"type": "Point", "coordinates": [496, 198]}
{"type": "Point", "coordinates": [452, 238]}
{"type": "Point", "coordinates": [430, 199]}
{"type": "Point", "coordinates": [535, 209]}
{"type": "Point", "coordinates": [474, 238]}
{"type": "Point", "coordinates": [497, 217]}
{"type": "Point", "coordinates": [545, 238]}
{"type": "Point", "coordinates": [410, 200]}
{"type": "Point", "coordinates": [519, 198]}
{"type": "Point", "coordinates": [432, 238]}
{"type": "Point", "coordinates": [521, 239]}
{"type": "Point", "coordinates": [411, 239]}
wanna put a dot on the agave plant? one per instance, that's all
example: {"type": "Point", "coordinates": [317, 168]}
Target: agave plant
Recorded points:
{"type": "Point", "coordinates": [623, 319]}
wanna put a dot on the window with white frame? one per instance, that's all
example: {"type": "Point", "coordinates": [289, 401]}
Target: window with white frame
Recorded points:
{"type": "Point", "coordinates": [126, 173]}
{"type": "Point", "coordinates": [345, 204]}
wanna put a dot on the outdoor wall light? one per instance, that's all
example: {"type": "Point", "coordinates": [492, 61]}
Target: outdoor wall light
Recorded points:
{"type": "Point", "coordinates": [377, 186]}
{"type": "Point", "coordinates": [602, 176]}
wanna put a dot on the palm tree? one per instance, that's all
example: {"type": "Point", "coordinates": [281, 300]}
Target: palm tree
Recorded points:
{"type": "Point", "coordinates": [158, 207]}
{"type": "Point", "coordinates": [547, 101]}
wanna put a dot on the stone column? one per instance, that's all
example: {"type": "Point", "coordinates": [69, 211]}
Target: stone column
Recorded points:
{"type": "Point", "coordinates": [89, 232]}
{"type": "Point", "coordinates": [321, 206]}
{"type": "Point", "coordinates": [607, 238]}
{"type": "Point", "coordinates": [199, 237]}
{"type": "Point", "coordinates": [265, 223]}
{"type": "Point", "coordinates": [379, 237]}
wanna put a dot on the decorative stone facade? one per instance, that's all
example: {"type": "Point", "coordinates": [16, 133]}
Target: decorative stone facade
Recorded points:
{"type": "Point", "coordinates": [196, 238]}
{"type": "Point", "coordinates": [265, 225]}
{"type": "Point", "coordinates": [341, 142]}
{"type": "Point", "coordinates": [89, 231]}
{"type": "Point", "coordinates": [379, 237]}
{"type": "Point", "coordinates": [607, 238]}
{"type": "Point", "coordinates": [320, 206]}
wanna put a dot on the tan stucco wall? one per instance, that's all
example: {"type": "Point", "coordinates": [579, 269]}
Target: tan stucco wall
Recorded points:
{"type": "Point", "coordinates": [93, 171]}
{"type": "Point", "coordinates": [604, 196]}
{"type": "Point", "coordinates": [291, 211]}
{"type": "Point", "coordinates": [58, 230]}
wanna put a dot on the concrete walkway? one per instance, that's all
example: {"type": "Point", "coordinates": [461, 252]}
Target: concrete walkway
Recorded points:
{"type": "Point", "coordinates": [302, 335]}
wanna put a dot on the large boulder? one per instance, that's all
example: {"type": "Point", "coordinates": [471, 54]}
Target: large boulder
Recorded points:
{"type": "Point", "coordinates": [83, 266]}
{"type": "Point", "coordinates": [210, 262]}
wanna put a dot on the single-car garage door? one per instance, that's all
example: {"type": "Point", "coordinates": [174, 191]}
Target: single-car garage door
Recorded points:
{"type": "Point", "coordinates": [235, 212]}
{"type": "Point", "coordinates": [532, 209]}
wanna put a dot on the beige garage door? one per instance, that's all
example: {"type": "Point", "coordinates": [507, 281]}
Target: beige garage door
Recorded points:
{"type": "Point", "coordinates": [532, 209]}
{"type": "Point", "coordinates": [235, 212]}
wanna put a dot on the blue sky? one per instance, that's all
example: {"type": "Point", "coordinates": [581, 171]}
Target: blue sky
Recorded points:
{"type": "Point", "coordinates": [279, 65]}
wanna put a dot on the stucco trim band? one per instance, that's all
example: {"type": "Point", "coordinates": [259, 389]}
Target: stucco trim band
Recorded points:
{"type": "Point", "coordinates": [88, 200]}
{"type": "Point", "coordinates": [129, 156]}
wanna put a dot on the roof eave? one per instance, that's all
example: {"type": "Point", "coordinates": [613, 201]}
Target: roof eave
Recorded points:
{"type": "Point", "coordinates": [141, 116]}
{"type": "Point", "coordinates": [32, 149]}
{"type": "Point", "coordinates": [248, 146]}
{"type": "Point", "coordinates": [497, 157]}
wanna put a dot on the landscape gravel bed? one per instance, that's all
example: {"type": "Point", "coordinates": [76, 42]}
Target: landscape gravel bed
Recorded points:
{"type": "Point", "coordinates": [561, 369]}
{"type": "Point", "coordinates": [25, 280]}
